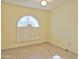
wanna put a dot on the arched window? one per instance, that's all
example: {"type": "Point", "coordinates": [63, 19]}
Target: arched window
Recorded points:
{"type": "Point", "coordinates": [25, 32]}
{"type": "Point", "coordinates": [26, 20]}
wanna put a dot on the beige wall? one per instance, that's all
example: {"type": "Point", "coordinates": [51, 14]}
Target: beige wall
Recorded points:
{"type": "Point", "coordinates": [63, 26]}
{"type": "Point", "coordinates": [10, 15]}
{"type": "Point", "coordinates": [58, 26]}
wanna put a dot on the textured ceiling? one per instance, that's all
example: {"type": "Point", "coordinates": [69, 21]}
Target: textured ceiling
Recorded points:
{"type": "Point", "coordinates": [36, 3]}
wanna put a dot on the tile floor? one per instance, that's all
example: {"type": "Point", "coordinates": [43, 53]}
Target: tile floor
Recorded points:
{"type": "Point", "coordinates": [39, 51]}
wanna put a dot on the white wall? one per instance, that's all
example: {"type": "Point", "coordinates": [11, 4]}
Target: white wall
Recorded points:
{"type": "Point", "coordinates": [63, 26]}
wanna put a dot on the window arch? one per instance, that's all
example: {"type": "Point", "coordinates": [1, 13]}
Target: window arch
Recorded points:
{"type": "Point", "coordinates": [26, 20]}
{"type": "Point", "coordinates": [29, 33]}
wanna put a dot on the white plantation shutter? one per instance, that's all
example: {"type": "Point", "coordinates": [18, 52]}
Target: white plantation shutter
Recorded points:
{"type": "Point", "coordinates": [28, 29]}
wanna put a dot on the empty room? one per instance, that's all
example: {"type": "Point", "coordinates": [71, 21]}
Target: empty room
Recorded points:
{"type": "Point", "coordinates": [39, 29]}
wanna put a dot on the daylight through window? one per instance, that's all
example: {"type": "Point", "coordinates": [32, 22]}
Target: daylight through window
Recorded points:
{"type": "Point", "coordinates": [26, 20]}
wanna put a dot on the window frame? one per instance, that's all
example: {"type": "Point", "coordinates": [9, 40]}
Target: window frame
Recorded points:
{"type": "Point", "coordinates": [31, 25]}
{"type": "Point", "coordinates": [17, 28]}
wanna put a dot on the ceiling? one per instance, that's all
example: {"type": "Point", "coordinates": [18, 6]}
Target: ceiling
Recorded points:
{"type": "Point", "coordinates": [36, 3]}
